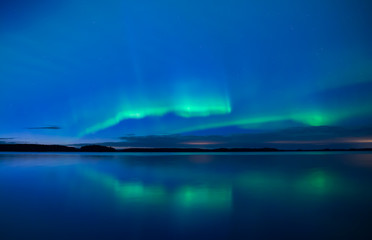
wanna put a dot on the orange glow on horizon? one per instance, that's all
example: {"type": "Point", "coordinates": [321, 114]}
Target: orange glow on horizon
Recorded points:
{"type": "Point", "coordinates": [326, 141]}
{"type": "Point", "coordinates": [201, 143]}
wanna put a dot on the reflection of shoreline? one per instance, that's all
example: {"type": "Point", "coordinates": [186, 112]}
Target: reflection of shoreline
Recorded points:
{"type": "Point", "coordinates": [185, 196]}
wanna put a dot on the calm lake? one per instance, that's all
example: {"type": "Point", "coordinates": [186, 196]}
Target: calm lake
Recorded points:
{"type": "Point", "coordinates": [164, 196]}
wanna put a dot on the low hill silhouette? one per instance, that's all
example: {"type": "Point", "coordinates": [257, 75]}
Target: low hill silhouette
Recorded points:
{"type": "Point", "coordinates": [97, 148]}
{"type": "Point", "coordinates": [35, 148]}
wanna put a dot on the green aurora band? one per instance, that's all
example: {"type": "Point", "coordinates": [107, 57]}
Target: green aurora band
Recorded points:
{"type": "Point", "coordinates": [187, 110]}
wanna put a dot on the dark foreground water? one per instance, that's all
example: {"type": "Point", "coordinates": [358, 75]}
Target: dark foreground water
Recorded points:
{"type": "Point", "coordinates": [186, 196]}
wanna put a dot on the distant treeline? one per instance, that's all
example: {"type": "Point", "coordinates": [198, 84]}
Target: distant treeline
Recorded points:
{"type": "Point", "coordinates": [99, 148]}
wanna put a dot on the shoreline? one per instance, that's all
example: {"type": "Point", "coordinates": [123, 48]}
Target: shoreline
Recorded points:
{"type": "Point", "coordinates": [99, 148]}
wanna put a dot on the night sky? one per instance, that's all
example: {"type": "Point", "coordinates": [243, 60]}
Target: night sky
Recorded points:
{"type": "Point", "coordinates": [205, 73]}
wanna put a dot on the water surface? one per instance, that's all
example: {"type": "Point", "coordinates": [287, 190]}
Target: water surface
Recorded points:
{"type": "Point", "coordinates": [186, 196]}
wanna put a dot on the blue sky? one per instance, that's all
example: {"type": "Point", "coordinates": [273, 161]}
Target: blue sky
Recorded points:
{"type": "Point", "coordinates": [97, 71]}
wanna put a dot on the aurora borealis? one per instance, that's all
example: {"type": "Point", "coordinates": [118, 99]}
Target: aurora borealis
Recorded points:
{"type": "Point", "coordinates": [80, 71]}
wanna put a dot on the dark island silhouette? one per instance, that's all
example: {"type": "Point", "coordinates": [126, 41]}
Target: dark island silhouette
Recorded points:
{"type": "Point", "coordinates": [100, 148]}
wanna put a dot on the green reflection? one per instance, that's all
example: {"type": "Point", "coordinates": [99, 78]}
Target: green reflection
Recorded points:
{"type": "Point", "coordinates": [128, 190]}
{"type": "Point", "coordinates": [262, 182]}
{"type": "Point", "coordinates": [314, 182]}
{"type": "Point", "coordinates": [190, 196]}
{"type": "Point", "coordinates": [317, 182]}
{"type": "Point", "coordinates": [184, 196]}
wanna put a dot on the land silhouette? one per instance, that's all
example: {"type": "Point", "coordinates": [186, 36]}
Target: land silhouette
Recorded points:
{"type": "Point", "coordinates": [100, 148]}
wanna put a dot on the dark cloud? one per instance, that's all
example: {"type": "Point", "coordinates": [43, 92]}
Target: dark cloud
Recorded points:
{"type": "Point", "coordinates": [45, 128]}
{"type": "Point", "coordinates": [6, 140]}
{"type": "Point", "coordinates": [292, 138]}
